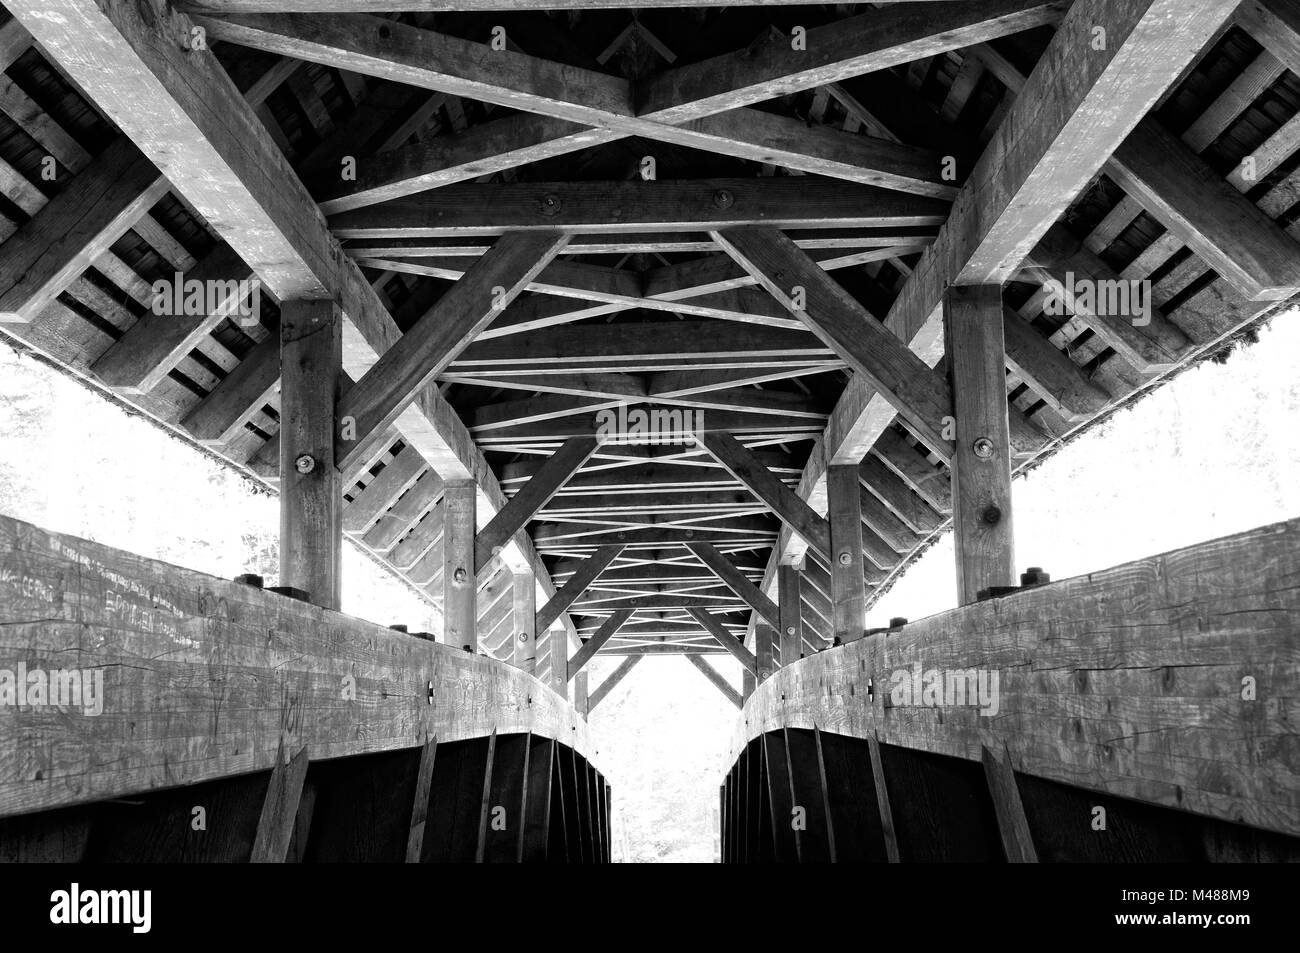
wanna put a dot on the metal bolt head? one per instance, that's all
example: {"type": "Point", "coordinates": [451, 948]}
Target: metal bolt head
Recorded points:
{"type": "Point", "coordinates": [789, 630]}
{"type": "Point", "coordinates": [550, 204]}
{"type": "Point", "coordinates": [459, 576]}
{"type": "Point", "coordinates": [846, 559]}
{"type": "Point", "coordinates": [305, 463]}
{"type": "Point", "coordinates": [523, 636]}
{"type": "Point", "coordinates": [983, 448]}
{"type": "Point", "coordinates": [722, 198]}
{"type": "Point", "coordinates": [992, 515]}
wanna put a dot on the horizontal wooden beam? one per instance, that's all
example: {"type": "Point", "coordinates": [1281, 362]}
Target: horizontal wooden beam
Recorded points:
{"type": "Point", "coordinates": [1161, 694]}
{"type": "Point", "coordinates": [635, 206]}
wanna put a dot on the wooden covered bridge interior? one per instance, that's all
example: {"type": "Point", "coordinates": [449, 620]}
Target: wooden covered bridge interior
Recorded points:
{"type": "Point", "coordinates": [625, 328]}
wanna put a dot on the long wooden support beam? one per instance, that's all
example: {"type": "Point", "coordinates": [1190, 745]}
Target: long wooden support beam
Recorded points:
{"type": "Point", "coordinates": [1159, 680]}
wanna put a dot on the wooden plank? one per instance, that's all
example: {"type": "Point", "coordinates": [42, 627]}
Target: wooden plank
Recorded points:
{"type": "Point", "coordinates": [638, 206]}
{"type": "Point", "coordinates": [139, 360]}
{"type": "Point", "coordinates": [608, 629]}
{"type": "Point", "coordinates": [535, 494]}
{"type": "Point", "coordinates": [76, 227]}
{"type": "Point", "coordinates": [780, 794]}
{"type": "Point", "coordinates": [728, 641]}
{"type": "Point", "coordinates": [420, 803]}
{"type": "Point", "coordinates": [1232, 234]}
{"type": "Point", "coordinates": [1017, 841]}
{"type": "Point", "coordinates": [876, 40]}
{"type": "Point", "coordinates": [356, 687]}
{"type": "Point", "coordinates": [612, 679]}
{"type": "Point", "coordinates": [280, 809]}
{"type": "Point", "coordinates": [814, 840]}
{"type": "Point", "coordinates": [220, 416]}
{"type": "Point", "coordinates": [534, 843]}
{"type": "Point", "coordinates": [506, 818]}
{"type": "Point", "coordinates": [882, 800]}
{"type": "Point", "coordinates": [848, 594]}
{"type": "Point", "coordinates": [718, 682]}
{"type": "Point", "coordinates": [764, 643]}
{"type": "Point", "coordinates": [789, 603]}
{"type": "Point", "coordinates": [1049, 372]}
{"type": "Point", "coordinates": [462, 68]}
{"type": "Point", "coordinates": [794, 512]}
{"type": "Point", "coordinates": [379, 398]}
{"type": "Point", "coordinates": [311, 498]}
{"type": "Point", "coordinates": [370, 505]}
{"type": "Point", "coordinates": [459, 587]}
{"type": "Point", "coordinates": [1168, 731]}
{"type": "Point", "coordinates": [726, 570]}
{"type": "Point", "coordinates": [591, 567]}
{"type": "Point", "coordinates": [982, 512]}
{"type": "Point", "coordinates": [523, 621]}
{"type": "Point", "coordinates": [918, 395]}
{"type": "Point", "coordinates": [853, 814]}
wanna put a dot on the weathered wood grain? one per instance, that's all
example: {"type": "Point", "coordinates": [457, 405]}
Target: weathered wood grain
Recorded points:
{"type": "Point", "coordinates": [197, 672]}
{"type": "Point", "coordinates": [1127, 681]}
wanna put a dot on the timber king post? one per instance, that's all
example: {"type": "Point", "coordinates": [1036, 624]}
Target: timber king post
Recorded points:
{"type": "Point", "coordinates": [632, 328]}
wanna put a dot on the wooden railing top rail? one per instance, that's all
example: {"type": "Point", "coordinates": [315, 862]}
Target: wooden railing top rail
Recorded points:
{"type": "Point", "coordinates": [121, 674]}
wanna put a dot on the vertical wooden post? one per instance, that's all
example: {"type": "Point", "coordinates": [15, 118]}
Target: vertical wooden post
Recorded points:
{"type": "Point", "coordinates": [747, 680]}
{"type": "Point", "coordinates": [848, 588]}
{"type": "Point", "coordinates": [764, 641]}
{"type": "Point", "coordinates": [524, 594]}
{"type": "Point", "coordinates": [557, 642]}
{"type": "Point", "coordinates": [981, 511]}
{"type": "Point", "coordinates": [459, 585]}
{"type": "Point", "coordinates": [580, 693]}
{"type": "Point", "coordinates": [311, 498]}
{"type": "Point", "coordinates": [789, 605]}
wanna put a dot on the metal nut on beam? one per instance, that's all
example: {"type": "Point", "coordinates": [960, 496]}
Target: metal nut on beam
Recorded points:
{"type": "Point", "coordinates": [550, 204]}
{"type": "Point", "coordinates": [723, 199]}
{"type": "Point", "coordinates": [459, 576]}
{"type": "Point", "coordinates": [846, 559]}
{"type": "Point", "coordinates": [983, 448]}
{"type": "Point", "coordinates": [305, 463]}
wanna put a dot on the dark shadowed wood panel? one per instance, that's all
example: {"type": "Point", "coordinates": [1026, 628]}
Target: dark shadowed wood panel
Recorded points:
{"type": "Point", "coordinates": [851, 799]}
{"type": "Point", "coordinates": [51, 837]}
{"type": "Point", "coordinates": [941, 806]}
{"type": "Point", "coordinates": [362, 812]}
{"type": "Point", "coordinates": [572, 828]}
{"type": "Point", "coordinates": [537, 802]}
{"type": "Point", "coordinates": [813, 841]}
{"type": "Point", "coordinates": [509, 776]}
{"type": "Point", "coordinates": [780, 796]}
{"type": "Point", "coordinates": [455, 809]}
{"type": "Point", "coordinates": [1188, 627]}
{"type": "Point", "coordinates": [160, 827]}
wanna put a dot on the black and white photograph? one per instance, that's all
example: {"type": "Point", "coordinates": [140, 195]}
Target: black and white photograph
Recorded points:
{"type": "Point", "coordinates": [644, 432]}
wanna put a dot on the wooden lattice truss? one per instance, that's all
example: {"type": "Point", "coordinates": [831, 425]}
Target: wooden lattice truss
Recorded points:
{"type": "Point", "coordinates": [753, 212]}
